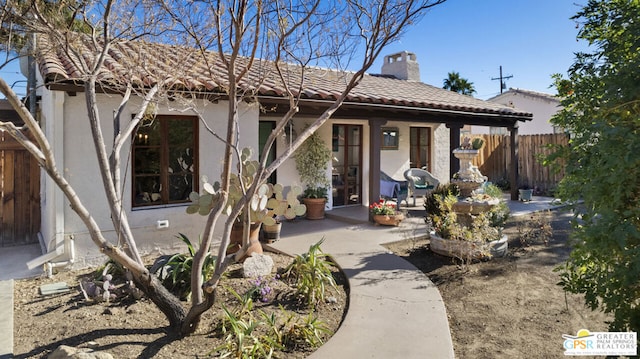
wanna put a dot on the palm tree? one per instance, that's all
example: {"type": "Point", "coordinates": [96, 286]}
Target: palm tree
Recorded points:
{"type": "Point", "coordinates": [458, 84]}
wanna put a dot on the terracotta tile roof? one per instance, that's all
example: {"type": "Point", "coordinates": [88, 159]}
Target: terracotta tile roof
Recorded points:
{"type": "Point", "coordinates": [146, 63]}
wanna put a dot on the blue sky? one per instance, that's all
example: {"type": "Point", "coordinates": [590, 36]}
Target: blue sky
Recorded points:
{"type": "Point", "coordinates": [531, 39]}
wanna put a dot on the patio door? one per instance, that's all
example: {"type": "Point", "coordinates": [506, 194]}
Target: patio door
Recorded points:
{"type": "Point", "coordinates": [347, 165]}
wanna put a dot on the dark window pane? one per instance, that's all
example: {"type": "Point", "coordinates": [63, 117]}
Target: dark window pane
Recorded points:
{"type": "Point", "coordinates": [147, 190]}
{"type": "Point", "coordinates": [180, 132]}
{"type": "Point", "coordinates": [180, 187]}
{"type": "Point", "coordinates": [165, 160]}
{"type": "Point", "coordinates": [180, 160]}
{"type": "Point", "coordinates": [147, 161]}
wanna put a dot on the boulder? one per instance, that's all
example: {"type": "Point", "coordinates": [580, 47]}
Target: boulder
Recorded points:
{"type": "Point", "coordinates": [257, 265]}
{"type": "Point", "coordinates": [67, 352]}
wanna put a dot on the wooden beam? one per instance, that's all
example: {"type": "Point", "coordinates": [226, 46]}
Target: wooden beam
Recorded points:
{"type": "Point", "coordinates": [375, 141]}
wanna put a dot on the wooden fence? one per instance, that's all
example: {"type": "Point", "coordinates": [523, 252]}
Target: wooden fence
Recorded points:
{"type": "Point", "coordinates": [19, 194]}
{"type": "Point", "coordinates": [494, 159]}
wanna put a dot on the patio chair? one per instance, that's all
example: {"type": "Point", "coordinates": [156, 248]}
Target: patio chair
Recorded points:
{"type": "Point", "coordinates": [392, 188]}
{"type": "Point", "coordinates": [420, 182]}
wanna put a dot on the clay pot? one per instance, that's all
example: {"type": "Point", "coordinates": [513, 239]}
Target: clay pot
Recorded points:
{"type": "Point", "coordinates": [235, 243]}
{"type": "Point", "coordinates": [315, 207]}
{"type": "Point", "coordinates": [388, 220]}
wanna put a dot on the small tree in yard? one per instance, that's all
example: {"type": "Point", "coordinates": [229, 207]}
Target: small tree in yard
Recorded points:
{"type": "Point", "coordinates": [601, 100]}
{"type": "Point", "coordinates": [252, 40]}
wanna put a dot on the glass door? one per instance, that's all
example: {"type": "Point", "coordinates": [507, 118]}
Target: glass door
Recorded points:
{"type": "Point", "coordinates": [347, 165]}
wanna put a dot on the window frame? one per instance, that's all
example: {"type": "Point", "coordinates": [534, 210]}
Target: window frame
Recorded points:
{"type": "Point", "coordinates": [164, 173]}
{"type": "Point", "coordinates": [387, 132]}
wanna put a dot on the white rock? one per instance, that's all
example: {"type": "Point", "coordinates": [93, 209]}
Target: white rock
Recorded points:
{"type": "Point", "coordinates": [257, 265]}
{"type": "Point", "coordinates": [67, 352]}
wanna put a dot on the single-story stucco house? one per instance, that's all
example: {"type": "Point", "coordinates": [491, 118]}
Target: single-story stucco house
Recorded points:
{"type": "Point", "coordinates": [390, 122]}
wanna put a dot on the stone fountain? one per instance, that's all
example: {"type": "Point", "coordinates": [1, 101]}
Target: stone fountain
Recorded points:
{"type": "Point", "coordinates": [469, 205]}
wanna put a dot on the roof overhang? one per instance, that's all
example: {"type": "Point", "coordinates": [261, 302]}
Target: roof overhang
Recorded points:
{"type": "Point", "coordinates": [352, 110]}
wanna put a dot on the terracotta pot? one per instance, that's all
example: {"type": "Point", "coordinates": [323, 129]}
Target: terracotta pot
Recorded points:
{"type": "Point", "coordinates": [315, 207]}
{"type": "Point", "coordinates": [388, 220]}
{"type": "Point", "coordinates": [235, 243]}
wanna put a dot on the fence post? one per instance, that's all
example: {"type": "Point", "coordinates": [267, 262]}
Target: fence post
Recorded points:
{"type": "Point", "coordinates": [513, 173]}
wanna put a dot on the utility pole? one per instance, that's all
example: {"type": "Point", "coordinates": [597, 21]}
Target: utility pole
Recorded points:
{"type": "Point", "coordinates": [502, 78]}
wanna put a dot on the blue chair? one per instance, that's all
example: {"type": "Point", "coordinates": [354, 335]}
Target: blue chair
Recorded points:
{"type": "Point", "coordinates": [391, 188]}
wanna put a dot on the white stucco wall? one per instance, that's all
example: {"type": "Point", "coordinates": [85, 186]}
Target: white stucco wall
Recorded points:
{"type": "Point", "coordinates": [82, 172]}
{"type": "Point", "coordinates": [540, 105]}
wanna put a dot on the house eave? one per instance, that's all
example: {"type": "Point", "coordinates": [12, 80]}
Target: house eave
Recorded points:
{"type": "Point", "coordinates": [356, 110]}
{"type": "Point", "coordinates": [401, 112]}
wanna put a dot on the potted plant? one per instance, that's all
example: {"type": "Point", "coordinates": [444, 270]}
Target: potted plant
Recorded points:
{"type": "Point", "coordinates": [312, 161]}
{"type": "Point", "coordinates": [385, 213]}
{"type": "Point", "coordinates": [525, 192]}
{"type": "Point", "coordinates": [281, 207]}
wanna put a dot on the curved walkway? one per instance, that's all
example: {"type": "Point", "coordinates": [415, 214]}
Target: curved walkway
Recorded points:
{"type": "Point", "coordinates": [394, 310]}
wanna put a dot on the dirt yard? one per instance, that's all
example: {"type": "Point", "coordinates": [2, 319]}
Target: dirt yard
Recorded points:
{"type": "Point", "coordinates": [509, 307]}
{"type": "Point", "coordinates": [137, 329]}
{"type": "Point", "coordinates": [504, 308]}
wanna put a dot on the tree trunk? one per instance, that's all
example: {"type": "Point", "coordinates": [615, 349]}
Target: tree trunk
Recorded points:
{"type": "Point", "coordinates": [168, 303]}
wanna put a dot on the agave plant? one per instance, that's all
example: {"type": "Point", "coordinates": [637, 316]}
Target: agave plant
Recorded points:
{"type": "Point", "coordinates": [175, 273]}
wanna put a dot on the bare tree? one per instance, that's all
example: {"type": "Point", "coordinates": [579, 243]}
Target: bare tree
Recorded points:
{"type": "Point", "coordinates": [254, 41]}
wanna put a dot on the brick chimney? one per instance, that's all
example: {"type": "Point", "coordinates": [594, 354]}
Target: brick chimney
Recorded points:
{"type": "Point", "coordinates": [402, 65]}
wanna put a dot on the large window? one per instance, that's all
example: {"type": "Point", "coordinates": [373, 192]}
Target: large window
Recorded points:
{"type": "Point", "coordinates": [165, 160]}
{"type": "Point", "coordinates": [420, 147]}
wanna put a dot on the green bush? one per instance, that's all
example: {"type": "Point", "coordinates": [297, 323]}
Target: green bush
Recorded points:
{"type": "Point", "coordinates": [600, 109]}
{"type": "Point", "coordinates": [311, 273]}
{"type": "Point", "coordinates": [431, 201]}
{"type": "Point", "coordinates": [499, 214]}
{"type": "Point", "coordinates": [175, 272]}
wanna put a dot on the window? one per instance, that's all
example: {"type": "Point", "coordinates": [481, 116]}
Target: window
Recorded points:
{"type": "Point", "coordinates": [389, 138]}
{"type": "Point", "coordinates": [165, 160]}
{"type": "Point", "coordinates": [264, 130]}
{"type": "Point", "coordinates": [420, 147]}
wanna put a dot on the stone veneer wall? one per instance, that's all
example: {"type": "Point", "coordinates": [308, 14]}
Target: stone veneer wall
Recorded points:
{"type": "Point", "coordinates": [442, 153]}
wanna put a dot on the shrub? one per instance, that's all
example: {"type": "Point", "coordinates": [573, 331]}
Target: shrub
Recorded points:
{"type": "Point", "coordinates": [431, 201]}
{"type": "Point", "coordinates": [499, 214]}
{"type": "Point", "coordinates": [310, 273]}
{"type": "Point", "coordinates": [175, 272]}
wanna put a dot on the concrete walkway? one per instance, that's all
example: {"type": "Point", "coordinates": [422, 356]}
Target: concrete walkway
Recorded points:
{"type": "Point", "coordinates": [394, 309]}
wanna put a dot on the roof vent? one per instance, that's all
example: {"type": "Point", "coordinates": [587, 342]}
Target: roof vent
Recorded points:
{"type": "Point", "coordinates": [402, 65]}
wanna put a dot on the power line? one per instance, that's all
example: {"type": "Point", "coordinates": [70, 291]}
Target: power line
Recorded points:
{"type": "Point", "coordinates": [502, 78]}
